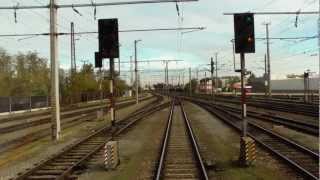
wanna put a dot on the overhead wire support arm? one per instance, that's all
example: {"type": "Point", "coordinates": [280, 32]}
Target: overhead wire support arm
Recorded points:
{"type": "Point", "coordinates": [275, 13]}
{"type": "Point", "coordinates": [94, 4]}
{"type": "Point", "coordinates": [152, 61]}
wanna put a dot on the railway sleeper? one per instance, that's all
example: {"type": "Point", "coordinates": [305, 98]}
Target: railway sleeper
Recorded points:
{"type": "Point", "coordinates": [55, 163]}
{"type": "Point", "coordinates": [39, 177]}
{"type": "Point", "coordinates": [67, 159]}
{"type": "Point", "coordinates": [54, 168]}
{"type": "Point", "coordinates": [172, 175]}
{"type": "Point", "coordinates": [49, 172]}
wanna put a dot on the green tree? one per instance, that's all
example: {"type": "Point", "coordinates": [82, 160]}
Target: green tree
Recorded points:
{"type": "Point", "coordinates": [6, 73]}
{"type": "Point", "coordinates": [27, 74]}
{"type": "Point", "coordinates": [31, 75]}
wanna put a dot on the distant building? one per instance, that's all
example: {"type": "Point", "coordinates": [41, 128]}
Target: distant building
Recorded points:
{"type": "Point", "coordinates": [293, 85]}
{"type": "Point", "coordinates": [205, 87]}
{"type": "Point", "coordinates": [237, 87]}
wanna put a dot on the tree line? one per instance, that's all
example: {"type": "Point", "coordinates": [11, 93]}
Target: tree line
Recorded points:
{"type": "Point", "coordinates": [27, 74]}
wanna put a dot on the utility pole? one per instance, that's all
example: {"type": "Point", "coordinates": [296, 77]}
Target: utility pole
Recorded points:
{"type": "Point", "coordinates": [190, 87]}
{"type": "Point", "coordinates": [183, 79]}
{"type": "Point", "coordinates": [119, 65]}
{"type": "Point", "coordinates": [268, 59]}
{"type": "Point", "coordinates": [265, 76]}
{"type": "Point", "coordinates": [216, 83]}
{"type": "Point", "coordinates": [73, 51]}
{"type": "Point", "coordinates": [55, 104]}
{"type": "Point", "coordinates": [205, 82]}
{"type": "Point", "coordinates": [131, 72]}
{"type": "Point", "coordinates": [136, 70]}
{"type": "Point", "coordinates": [166, 77]}
{"type": "Point", "coordinates": [212, 70]}
{"type": "Point", "coordinates": [197, 76]}
{"type": "Point", "coordinates": [319, 51]}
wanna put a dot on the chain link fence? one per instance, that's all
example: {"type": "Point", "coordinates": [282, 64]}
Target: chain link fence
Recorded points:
{"type": "Point", "coordinates": [11, 104]}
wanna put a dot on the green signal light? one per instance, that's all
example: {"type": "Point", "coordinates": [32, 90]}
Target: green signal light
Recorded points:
{"type": "Point", "coordinates": [249, 19]}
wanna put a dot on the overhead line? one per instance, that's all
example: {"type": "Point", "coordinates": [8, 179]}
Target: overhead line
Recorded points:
{"type": "Point", "coordinates": [95, 32]}
{"type": "Point", "coordinates": [151, 61]}
{"type": "Point", "coordinates": [92, 4]}
{"type": "Point", "coordinates": [276, 13]}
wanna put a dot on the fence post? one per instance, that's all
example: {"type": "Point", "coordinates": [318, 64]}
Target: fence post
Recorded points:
{"type": "Point", "coordinates": [30, 104]}
{"type": "Point", "coordinates": [10, 107]}
{"type": "Point", "coordinates": [47, 101]}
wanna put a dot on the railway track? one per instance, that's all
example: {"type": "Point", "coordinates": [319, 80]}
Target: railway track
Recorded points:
{"type": "Point", "coordinates": [311, 110]}
{"type": "Point", "coordinates": [36, 120]}
{"type": "Point", "coordinates": [64, 163]}
{"type": "Point", "coordinates": [180, 157]}
{"type": "Point", "coordinates": [73, 119]}
{"type": "Point", "coordinates": [65, 109]}
{"type": "Point", "coordinates": [308, 127]}
{"type": "Point", "coordinates": [303, 160]}
{"type": "Point", "coordinates": [300, 125]}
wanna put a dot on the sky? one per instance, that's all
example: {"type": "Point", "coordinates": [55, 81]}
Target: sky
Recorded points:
{"type": "Point", "coordinates": [194, 48]}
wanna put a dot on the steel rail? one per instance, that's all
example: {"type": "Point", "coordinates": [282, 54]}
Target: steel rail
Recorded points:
{"type": "Point", "coordinates": [165, 144]}
{"type": "Point", "coordinates": [204, 174]}
{"type": "Point", "coordinates": [307, 109]}
{"type": "Point", "coordinates": [191, 138]}
{"type": "Point", "coordinates": [234, 120]}
{"type": "Point", "coordinates": [95, 144]}
{"type": "Point", "coordinates": [14, 143]}
{"type": "Point", "coordinates": [45, 119]}
{"type": "Point", "coordinates": [305, 127]}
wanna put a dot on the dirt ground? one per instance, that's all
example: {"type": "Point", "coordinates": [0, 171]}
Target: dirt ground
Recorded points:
{"type": "Point", "coordinates": [138, 150]}
{"type": "Point", "coordinates": [309, 141]}
{"type": "Point", "coordinates": [17, 160]}
{"type": "Point", "coordinates": [219, 145]}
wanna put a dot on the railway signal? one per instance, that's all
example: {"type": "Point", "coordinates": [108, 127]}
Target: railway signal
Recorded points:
{"type": "Point", "coordinates": [244, 33]}
{"type": "Point", "coordinates": [244, 43]}
{"type": "Point", "coordinates": [212, 71]}
{"type": "Point", "coordinates": [108, 48]}
{"type": "Point", "coordinates": [97, 60]}
{"type": "Point", "coordinates": [108, 38]}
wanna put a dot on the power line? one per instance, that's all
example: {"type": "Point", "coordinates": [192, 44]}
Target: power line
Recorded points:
{"type": "Point", "coordinates": [279, 13]}
{"type": "Point", "coordinates": [92, 4]}
{"type": "Point", "coordinates": [95, 32]}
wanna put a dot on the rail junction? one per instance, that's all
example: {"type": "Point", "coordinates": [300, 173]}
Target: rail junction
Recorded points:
{"type": "Point", "coordinates": [216, 114]}
{"type": "Point", "coordinates": [180, 154]}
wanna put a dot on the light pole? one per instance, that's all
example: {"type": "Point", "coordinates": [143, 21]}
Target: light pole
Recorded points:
{"type": "Point", "coordinates": [136, 69]}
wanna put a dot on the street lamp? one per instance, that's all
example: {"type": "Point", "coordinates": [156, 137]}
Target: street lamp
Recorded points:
{"type": "Point", "coordinates": [136, 69]}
